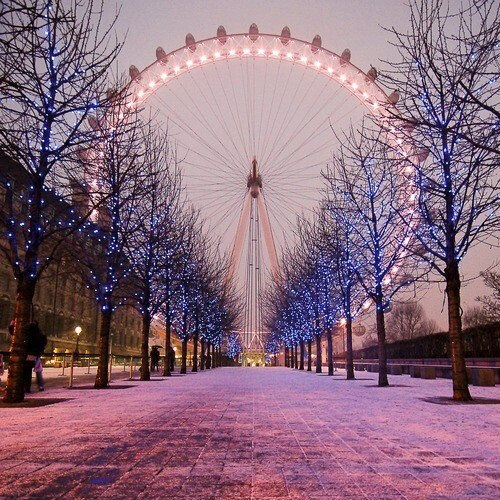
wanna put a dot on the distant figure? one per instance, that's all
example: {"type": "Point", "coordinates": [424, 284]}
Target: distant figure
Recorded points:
{"type": "Point", "coordinates": [39, 373]}
{"type": "Point", "coordinates": [1, 369]}
{"type": "Point", "coordinates": [35, 343]}
{"type": "Point", "coordinates": [155, 358]}
{"type": "Point", "coordinates": [172, 358]}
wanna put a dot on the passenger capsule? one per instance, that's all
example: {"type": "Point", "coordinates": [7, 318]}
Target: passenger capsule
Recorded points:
{"type": "Point", "coordinates": [221, 35]}
{"type": "Point", "coordinates": [394, 97]}
{"type": "Point", "coordinates": [345, 56]}
{"type": "Point", "coordinates": [372, 74]}
{"type": "Point", "coordinates": [93, 122]}
{"type": "Point", "coordinates": [161, 55]}
{"type": "Point", "coordinates": [134, 73]}
{"type": "Point", "coordinates": [285, 35]}
{"type": "Point", "coordinates": [190, 42]}
{"type": "Point", "coordinates": [253, 32]}
{"type": "Point", "coordinates": [316, 44]}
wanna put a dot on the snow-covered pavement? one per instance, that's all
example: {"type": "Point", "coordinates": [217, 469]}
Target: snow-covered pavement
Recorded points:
{"type": "Point", "coordinates": [253, 433]}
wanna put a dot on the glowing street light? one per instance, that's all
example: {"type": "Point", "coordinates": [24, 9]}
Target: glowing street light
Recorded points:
{"type": "Point", "coordinates": [78, 330]}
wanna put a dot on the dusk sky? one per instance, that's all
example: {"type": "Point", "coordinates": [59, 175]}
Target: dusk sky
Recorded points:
{"type": "Point", "coordinates": [353, 24]}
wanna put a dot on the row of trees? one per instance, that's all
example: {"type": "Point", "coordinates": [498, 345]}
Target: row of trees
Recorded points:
{"type": "Point", "coordinates": [406, 197]}
{"type": "Point", "coordinates": [97, 184]}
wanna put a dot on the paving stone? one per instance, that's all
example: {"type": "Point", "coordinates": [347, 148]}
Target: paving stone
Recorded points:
{"type": "Point", "coordinates": [252, 433]}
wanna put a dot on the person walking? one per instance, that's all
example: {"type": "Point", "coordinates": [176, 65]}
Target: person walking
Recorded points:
{"type": "Point", "coordinates": [35, 343]}
{"type": "Point", "coordinates": [155, 358]}
{"type": "Point", "coordinates": [172, 358]}
{"type": "Point", "coordinates": [39, 373]}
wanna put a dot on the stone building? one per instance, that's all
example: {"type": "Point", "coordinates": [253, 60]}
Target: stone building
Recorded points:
{"type": "Point", "coordinates": [61, 301]}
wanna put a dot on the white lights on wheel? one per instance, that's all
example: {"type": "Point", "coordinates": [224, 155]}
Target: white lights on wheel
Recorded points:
{"type": "Point", "coordinates": [189, 63]}
{"type": "Point", "coordinates": [275, 53]}
{"type": "Point", "coordinates": [232, 52]}
{"type": "Point", "coordinates": [140, 93]}
{"type": "Point", "coordinates": [163, 76]}
{"type": "Point", "coordinates": [203, 59]}
{"type": "Point", "coordinates": [289, 55]}
{"type": "Point", "coordinates": [216, 55]}
{"type": "Point", "coordinates": [176, 69]}
{"type": "Point", "coordinates": [343, 77]}
{"type": "Point", "coordinates": [330, 70]}
{"type": "Point", "coordinates": [355, 86]}
{"type": "Point", "coordinates": [152, 84]}
{"type": "Point", "coordinates": [260, 51]}
{"type": "Point", "coordinates": [303, 59]}
{"type": "Point", "coordinates": [246, 51]}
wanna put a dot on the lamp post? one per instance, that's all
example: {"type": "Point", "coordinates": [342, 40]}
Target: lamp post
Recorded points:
{"type": "Point", "coordinates": [110, 355]}
{"type": "Point", "coordinates": [78, 330]}
{"type": "Point", "coordinates": [343, 323]}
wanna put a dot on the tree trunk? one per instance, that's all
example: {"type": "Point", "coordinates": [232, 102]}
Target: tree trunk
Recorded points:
{"type": "Point", "coordinates": [214, 364]}
{"type": "Point", "coordinates": [146, 323]}
{"type": "Point", "coordinates": [309, 357]}
{"type": "Point", "coordinates": [202, 354]}
{"type": "Point", "coordinates": [207, 359]}
{"type": "Point", "coordinates": [287, 362]}
{"type": "Point", "coordinates": [301, 367]}
{"type": "Point", "coordinates": [184, 356]}
{"type": "Point", "coordinates": [319, 357]}
{"type": "Point", "coordinates": [330, 351]}
{"type": "Point", "coordinates": [296, 356]}
{"type": "Point", "coordinates": [382, 352]}
{"type": "Point", "coordinates": [195, 351]}
{"type": "Point", "coordinates": [14, 392]}
{"type": "Point", "coordinates": [101, 379]}
{"type": "Point", "coordinates": [349, 356]}
{"type": "Point", "coordinates": [460, 382]}
{"type": "Point", "coordinates": [293, 357]}
{"type": "Point", "coordinates": [168, 345]}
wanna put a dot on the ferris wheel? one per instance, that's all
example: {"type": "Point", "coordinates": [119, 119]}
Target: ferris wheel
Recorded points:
{"type": "Point", "coordinates": [253, 117]}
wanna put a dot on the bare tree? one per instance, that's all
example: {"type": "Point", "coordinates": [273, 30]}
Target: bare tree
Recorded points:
{"type": "Point", "coordinates": [172, 255]}
{"type": "Point", "coordinates": [156, 215]}
{"type": "Point", "coordinates": [339, 242]}
{"type": "Point", "coordinates": [117, 164]}
{"type": "Point", "coordinates": [491, 303]}
{"type": "Point", "coordinates": [365, 179]}
{"type": "Point", "coordinates": [54, 57]}
{"type": "Point", "coordinates": [447, 74]}
{"type": "Point", "coordinates": [407, 320]}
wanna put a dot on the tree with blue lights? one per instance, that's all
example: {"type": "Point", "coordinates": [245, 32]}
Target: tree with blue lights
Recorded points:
{"type": "Point", "coordinates": [336, 237]}
{"type": "Point", "coordinates": [156, 217]}
{"type": "Point", "coordinates": [55, 57]}
{"type": "Point", "coordinates": [447, 73]}
{"type": "Point", "coordinates": [372, 193]}
{"type": "Point", "coordinates": [116, 161]}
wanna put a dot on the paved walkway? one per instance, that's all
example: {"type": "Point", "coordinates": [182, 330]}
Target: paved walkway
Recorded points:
{"type": "Point", "coordinates": [253, 433]}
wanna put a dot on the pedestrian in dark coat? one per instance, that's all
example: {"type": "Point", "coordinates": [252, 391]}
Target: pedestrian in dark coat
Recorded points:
{"type": "Point", "coordinates": [35, 343]}
{"type": "Point", "coordinates": [172, 358]}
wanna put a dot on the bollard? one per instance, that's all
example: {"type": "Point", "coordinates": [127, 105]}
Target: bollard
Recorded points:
{"type": "Point", "coordinates": [72, 361]}
{"type": "Point", "coordinates": [131, 375]}
{"type": "Point", "coordinates": [88, 365]}
{"type": "Point", "coordinates": [63, 366]}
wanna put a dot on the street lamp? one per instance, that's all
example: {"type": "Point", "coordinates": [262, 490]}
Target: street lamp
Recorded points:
{"type": "Point", "coordinates": [343, 323]}
{"type": "Point", "coordinates": [78, 330]}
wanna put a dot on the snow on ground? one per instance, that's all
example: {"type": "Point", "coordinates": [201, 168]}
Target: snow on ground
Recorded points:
{"type": "Point", "coordinates": [253, 433]}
